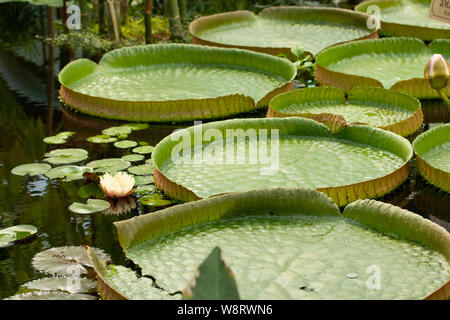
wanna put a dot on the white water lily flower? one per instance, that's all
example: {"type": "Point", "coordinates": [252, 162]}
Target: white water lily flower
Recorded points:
{"type": "Point", "coordinates": [119, 186]}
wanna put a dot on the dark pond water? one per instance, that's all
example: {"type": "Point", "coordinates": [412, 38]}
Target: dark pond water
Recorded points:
{"type": "Point", "coordinates": [30, 111]}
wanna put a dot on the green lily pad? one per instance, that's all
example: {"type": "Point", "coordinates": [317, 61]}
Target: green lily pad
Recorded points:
{"type": "Point", "coordinates": [102, 138]}
{"type": "Point", "coordinates": [141, 170]}
{"type": "Point", "coordinates": [60, 138]}
{"type": "Point", "coordinates": [20, 232]}
{"type": "Point", "coordinates": [394, 253]}
{"type": "Point", "coordinates": [133, 157]}
{"type": "Point", "coordinates": [110, 165]}
{"type": "Point", "coordinates": [89, 190]}
{"type": "Point", "coordinates": [68, 172]}
{"type": "Point", "coordinates": [432, 150]}
{"type": "Point", "coordinates": [144, 149]}
{"type": "Point", "coordinates": [66, 156]}
{"type": "Point", "coordinates": [137, 126]}
{"type": "Point", "coordinates": [392, 63]}
{"type": "Point", "coordinates": [117, 131]}
{"type": "Point", "coordinates": [275, 30]}
{"type": "Point", "coordinates": [32, 169]}
{"type": "Point", "coordinates": [92, 205]}
{"type": "Point", "coordinates": [154, 200]}
{"type": "Point", "coordinates": [67, 284]}
{"type": "Point", "coordinates": [145, 189]}
{"type": "Point", "coordinates": [51, 295]}
{"type": "Point", "coordinates": [143, 143]}
{"type": "Point", "coordinates": [143, 180]}
{"type": "Point", "coordinates": [136, 83]}
{"type": "Point", "coordinates": [65, 261]}
{"type": "Point", "coordinates": [407, 18]}
{"type": "Point", "coordinates": [385, 109]}
{"type": "Point", "coordinates": [303, 153]}
{"type": "Point", "coordinates": [124, 144]}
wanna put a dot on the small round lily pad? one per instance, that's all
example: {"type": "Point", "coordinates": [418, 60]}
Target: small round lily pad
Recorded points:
{"type": "Point", "coordinates": [117, 131]}
{"type": "Point", "coordinates": [66, 156]}
{"type": "Point", "coordinates": [102, 138]}
{"type": "Point", "coordinates": [110, 165]}
{"type": "Point", "coordinates": [154, 200]}
{"type": "Point", "coordinates": [60, 138]}
{"type": "Point", "coordinates": [142, 170]}
{"type": "Point", "coordinates": [65, 261]}
{"type": "Point", "coordinates": [149, 188]}
{"type": "Point", "coordinates": [32, 169]}
{"type": "Point", "coordinates": [92, 205]}
{"type": "Point", "coordinates": [133, 157]}
{"type": "Point", "coordinates": [68, 172]}
{"type": "Point", "coordinates": [144, 149]}
{"type": "Point", "coordinates": [124, 144]}
{"type": "Point", "coordinates": [142, 180]}
{"type": "Point", "coordinates": [20, 232]}
{"type": "Point", "coordinates": [137, 126]}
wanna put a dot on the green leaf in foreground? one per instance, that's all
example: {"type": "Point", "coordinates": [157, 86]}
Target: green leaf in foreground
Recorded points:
{"type": "Point", "coordinates": [66, 156]}
{"type": "Point", "coordinates": [124, 144]}
{"type": "Point", "coordinates": [60, 138]}
{"type": "Point", "coordinates": [15, 233]}
{"type": "Point", "coordinates": [213, 280]}
{"type": "Point", "coordinates": [155, 200]}
{"type": "Point", "coordinates": [92, 205]}
{"type": "Point", "coordinates": [144, 149]}
{"type": "Point", "coordinates": [102, 138]}
{"type": "Point", "coordinates": [33, 169]}
{"type": "Point", "coordinates": [110, 165]}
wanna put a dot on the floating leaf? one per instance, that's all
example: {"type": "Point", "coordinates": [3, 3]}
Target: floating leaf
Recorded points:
{"type": "Point", "coordinates": [213, 280]}
{"type": "Point", "coordinates": [117, 131]}
{"type": "Point", "coordinates": [145, 189]}
{"type": "Point", "coordinates": [149, 162]}
{"type": "Point", "coordinates": [89, 190]}
{"type": "Point", "coordinates": [92, 205]}
{"type": "Point", "coordinates": [65, 261]}
{"type": "Point", "coordinates": [155, 200]}
{"type": "Point", "coordinates": [51, 295]}
{"type": "Point", "coordinates": [124, 144]}
{"type": "Point", "coordinates": [102, 138]}
{"type": "Point", "coordinates": [33, 169]}
{"type": "Point", "coordinates": [68, 284]}
{"type": "Point", "coordinates": [142, 180]}
{"type": "Point", "coordinates": [142, 170]}
{"type": "Point", "coordinates": [68, 172]}
{"type": "Point", "coordinates": [60, 138]}
{"type": "Point", "coordinates": [137, 126]}
{"type": "Point", "coordinates": [65, 156]}
{"type": "Point", "coordinates": [144, 149]}
{"type": "Point", "coordinates": [133, 157]}
{"type": "Point", "coordinates": [15, 233]}
{"type": "Point", "coordinates": [143, 143]}
{"type": "Point", "coordinates": [110, 165]}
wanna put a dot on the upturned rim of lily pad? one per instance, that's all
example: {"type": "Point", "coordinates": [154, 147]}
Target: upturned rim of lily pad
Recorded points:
{"type": "Point", "coordinates": [416, 87]}
{"type": "Point", "coordinates": [377, 215]}
{"type": "Point", "coordinates": [337, 15]}
{"type": "Point", "coordinates": [425, 142]}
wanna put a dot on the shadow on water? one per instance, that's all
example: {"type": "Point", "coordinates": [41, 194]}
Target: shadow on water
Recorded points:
{"type": "Point", "coordinates": [30, 111]}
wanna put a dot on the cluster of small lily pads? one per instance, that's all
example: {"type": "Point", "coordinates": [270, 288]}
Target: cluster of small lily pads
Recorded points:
{"type": "Point", "coordinates": [68, 275]}
{"type": "Point", "coordinates": [62, 164]}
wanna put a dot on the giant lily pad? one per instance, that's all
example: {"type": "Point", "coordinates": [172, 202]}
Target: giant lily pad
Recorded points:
{"type": "Point", "coordinates": [386, 109]}
{"type": "Point", "coordinates": [137, 83]}
{"type": "Point", "coordinates": [392, 63]}
{"type": "Point", "coordinates": [276, 30]}
{"type": "Point", "coordinates": [356, 162]}
{"type": "Point", "coordinates": [66, 156]}
{"type": "Point", "coordinates": [372, 251]}
{"type": "Point", "coordinates": [408, 18]}
{"type": "Point", "coordinates": [432, 150]}
{"type": "Point", "coordinates": [32, 169]}
{"type": "Point", "coordinates": [20, 232]}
